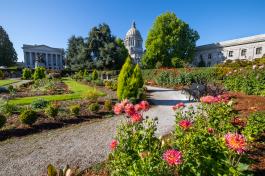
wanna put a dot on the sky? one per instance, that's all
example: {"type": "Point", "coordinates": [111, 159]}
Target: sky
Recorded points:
{"type": "Point", "coordinates": [52, 22]}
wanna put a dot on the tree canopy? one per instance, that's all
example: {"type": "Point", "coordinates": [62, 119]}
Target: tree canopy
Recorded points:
{"type": "Point", "coordinates": [8, 55]}
{"type": "Point", "coordinates": [170, 39]}
{"type": "Point", "coordinates": [99, 50]}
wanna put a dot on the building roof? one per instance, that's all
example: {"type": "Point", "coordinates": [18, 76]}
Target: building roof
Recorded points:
{"type": "Point", "coordinates": [234, 42]}
{"type": "Point", "coordinates": [25, 46]}
{"type": "Point", "coordinates": [133, 32]}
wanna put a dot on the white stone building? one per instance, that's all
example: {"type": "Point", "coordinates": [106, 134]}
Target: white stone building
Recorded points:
{"type": "Point", "coordinates": [42, 55]}
{"type": "Point", "coordinates": [133, 42]}
{"type": "Point", "coordinates": [247, 48]}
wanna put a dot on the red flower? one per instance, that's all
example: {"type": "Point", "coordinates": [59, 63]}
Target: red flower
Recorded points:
{"type": "Point", "coordinates": [210, 130]}
{"type": "Point", "coordinates": [118, 108]}
{"type": "Point", "coordinates": [208, 99]}
{"type": "Point", "coordinates": [236, 142]}
{"type": "Point", "coordinates": [179, 105]}
{"type": "Point", "coordinates": [172, 157]}
{"type": "Point", "coordinates": [185, 124]}
{"type": "Point", "coordinates": [238, 122]}
{"type": "Point", "coordinates": [124, 102]}
{"type": "Point", "coordinates": [144, 105]}
{"type": "Point", "coordinates": [113, 144]}
{"type": "Point", "coordinates": [129, 109]}
{"type": "Point", "coordinates": [138, 107]}
{"type": "Point", "coordinates": [136, 117]}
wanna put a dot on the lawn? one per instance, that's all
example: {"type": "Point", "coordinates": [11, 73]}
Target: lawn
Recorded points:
{"type": "Point", "coordinates": [7, 82]}
{"type": "Point", "coordinates": [77, 88]}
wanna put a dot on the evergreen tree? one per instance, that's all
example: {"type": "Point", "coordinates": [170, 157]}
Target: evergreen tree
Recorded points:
{"type": "Point", "coordinates": [124, 78]}
{"type": "Point", "coordinates": [8, 55]}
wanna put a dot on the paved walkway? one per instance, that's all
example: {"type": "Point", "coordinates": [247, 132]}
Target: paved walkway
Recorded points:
{"type": "Point", "coordinates": [83, 144]}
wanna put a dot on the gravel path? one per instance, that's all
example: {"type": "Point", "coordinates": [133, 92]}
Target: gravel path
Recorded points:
{"type": "Point", "coordinates": [83, 144]}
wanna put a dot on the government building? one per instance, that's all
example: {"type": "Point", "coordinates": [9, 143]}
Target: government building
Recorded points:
{"type": "Point", "coordinates": [134, 43]}
{"type": "Point", "coordinates": [247, 48]}
{"type": "Point", "coordinates": [42, 55]}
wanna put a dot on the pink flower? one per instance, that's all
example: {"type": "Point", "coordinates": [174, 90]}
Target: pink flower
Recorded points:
{"type": "Point", "coordinates": [118, 108]}
{"type": "Point", "coordinates": [113, 144]}
{"type": "Point", "coordinates": [210, 130]}
{"type": "Point", "coordinates": [138, 107]}
{"type": "Point", "coordinates": [208, 99]}
{"type": "Point", "coordinates": [136, 117]}
{"type": "Point", "coordinates": [236, 142]}
{"type": "Point", "coordinates": [172, 157]}
{"type": "Point", "coordinates": [179, 105]}
{"type": "Point", "coordinates": [129, 109]}
{"type": "Point", "coordinates": [124, 102]}
{"type": "Point", "coordinates": [144, 105]}
{"type": "Point", "coordinates": [185, 124]}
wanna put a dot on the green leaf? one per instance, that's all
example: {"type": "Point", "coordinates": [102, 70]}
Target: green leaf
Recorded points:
{"type": "Point", "coordinates": [51, 170]}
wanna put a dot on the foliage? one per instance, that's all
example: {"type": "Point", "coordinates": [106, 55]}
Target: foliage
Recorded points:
{"type": "Point", "coordinates": [8, 55]}
{"type": "Point", "coordinates": [94, 107]}
{"type": "Point", "coordinates": [67, 171]}
{"type": "Point", "coordinates": [39, 103]}
{"type": "Point", "coordinates": [92, 95]}
{"type": "Point", "coordinates": [169, 38]}
{"type": "Point", "coordinates": [124, 78]}
{"type": "Point", "coordinates": [78, 75]}
{"type": "Point", "coordinates": [255, 125]}
{"type": "Point", "coordinates": [7, 108]}
{"type": "Point", "coordinates": [52, 110]}
{"type": "Point", "coordinates": [28, 117]}
{"type": "Point", "coordinates": [111, 84]}
{"type": "Point", "coordinates": [2, 120]}
{"type": "Point", "coordinates": [26, 73]}
{"type": "Point", "coordinates": [39, 73]}
{"type": "Point", "coordinates": [94, 75]}
{"type": "Point", "coordinates": [75, 109]}
{"type": "Point", "coordinates": [2, 76]}
{"type": "Point", "coordinates": [108, 105]}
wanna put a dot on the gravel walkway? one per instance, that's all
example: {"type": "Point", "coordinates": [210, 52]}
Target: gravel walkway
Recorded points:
{"type": "Point", "coordinates": [83, 144]}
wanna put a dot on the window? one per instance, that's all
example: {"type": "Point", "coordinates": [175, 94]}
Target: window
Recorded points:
{"type": "Point", "coordinates": [201, 57]}
{"type": "Point", "coordinates": [230, 54]}
{"type": "Point", "coordinates": [209, 56]}
{"type": "Point", "coordinates": [258, 50]}
{"type": "Point", "coordinates": [243, 52]}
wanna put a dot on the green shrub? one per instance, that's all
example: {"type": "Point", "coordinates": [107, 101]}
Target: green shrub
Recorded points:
{"type": "Point", "coordinates": [75, 109]}
{"type": "Point", "coordinates": [94, 75]}
{"type": "Point", "coordinates": [124, 78]}
{"type": "Point", "coordinates": [39, 73]}
{"type": "Point", "coordinates": [28, 117]}
{"type": "Point", "coordinates": [85, 74]}
{"type": "Point", "coordinates": [108, 105]}
{"type": "Point", "coordinates": [2, 120]}
{"type": "Point", "coordinates": [52, 110]}
{"type": "Point", "coordinates": [39, 103]}
{"type": "Point", "coordinates": [78, 75]}
{"type": "Point", "coordinates": [7, 108]}
{"type": "Point", "coordinates": [12, 89]}
{"type": "Point", "coordinates": [98, 82]}
{"type": "Point", "coordinates": [2, 76]}
{"type": "Point", "coordinates": [94, 107]}
{"type": "Point", "coordinates": [92, 95]}
{"type": "Point", "coordinates": [26, 74]}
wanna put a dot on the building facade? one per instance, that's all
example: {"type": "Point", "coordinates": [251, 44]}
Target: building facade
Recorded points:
{"type": "Point", "coordinates": [42, 55]}
{"type": "Point", "coordinates": [247, 48]}
{"type": "Point", "coordinates": [134, 43]}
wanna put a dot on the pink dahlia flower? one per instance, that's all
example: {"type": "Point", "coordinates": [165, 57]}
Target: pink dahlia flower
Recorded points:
{"type": "Point", "coordinates": [129, 109]}
{"type": "Point", "coordinates": [136, 117]}
{"type": "Point", "coordinates": [179, 105]}
{"type": "Point", "coordinates": [118, 108]}
{"type": "Point", "coordinates": [145, 106]}
{"type": "Point", "coordinates": [124, 102]}
{"type": "Point", "coordinates": [236, 142]}
{"type": "Point", "coordinates": [113, 144]}
{"type": "Point", "coordinates": [185, 124]}
{"type": "Point", "coordinates": [209, 99]}
{"type": "Point", "coordinates": [172, 157]}
{"type": "Point", "coordinates": [138, 107]}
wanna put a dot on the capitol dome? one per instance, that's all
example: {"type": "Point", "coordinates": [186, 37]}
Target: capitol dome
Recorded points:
{"type": "Point", "coordinates": [133, 42]}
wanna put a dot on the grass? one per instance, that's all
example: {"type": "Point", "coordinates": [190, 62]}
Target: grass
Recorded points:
{"type": "Point", "coordinates": [78, 89]}
{"type": "Point", "coordinates": [5, 82]}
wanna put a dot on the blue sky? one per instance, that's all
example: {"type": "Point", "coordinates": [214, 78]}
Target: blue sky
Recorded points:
{"type": "Point", "coordinates": [52, 22]}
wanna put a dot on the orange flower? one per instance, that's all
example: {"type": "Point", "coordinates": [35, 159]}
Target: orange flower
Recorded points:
{"type": "Point", "coordinates": [236, 142]}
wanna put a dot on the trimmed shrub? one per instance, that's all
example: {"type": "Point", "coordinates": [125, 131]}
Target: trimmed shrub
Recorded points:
{"type": "Point", "coordinates": [94, 107]}
{"type": "Point", "coordinates": [94, 75]}
{"type": "Point", "coordinates": [26, 73]}
{"type": "Point", "coordinates": [108, 105]}
{"type": "Point", "coordinates": [39, 103]}
{"type": "Point", "coordinates": [92, 95]}
{"type": "Point", "coordinates": [28, 117]}
{"type": "Point", "coordinates": [85, 74]}
{"type": "Point", "coordinates": [7, 108]}
{"type": "Point", "coordinates": [75, 109]}
{"type": "Point", "coordinates": [2, 76]}
{"type": "Point", "coordinates": [124, 78]}
{"type": "Point", "coordinates": [39, 73]}
{"type": "Point", "coordinates": [52, 110]}
{"type": "Point", "coordinates": [2, 120]}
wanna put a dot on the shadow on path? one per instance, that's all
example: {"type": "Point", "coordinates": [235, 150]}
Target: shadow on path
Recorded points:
{"type": "Point", "coordinates": [168, 102]}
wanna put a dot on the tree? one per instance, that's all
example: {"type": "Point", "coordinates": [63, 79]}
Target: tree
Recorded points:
{"type": "Point", "coordinates": [169, 38]}
{"type": "Point", "coordinates": [39, 73]}
{"type": "Point", "coordinates": [124, 78]}
{"type": "Point", "coordinates": [26, 73]}
{"type": "Point", "coordinates": [8, 55]}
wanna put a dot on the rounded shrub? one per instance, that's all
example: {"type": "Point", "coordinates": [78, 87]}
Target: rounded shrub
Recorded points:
{"type": "Point", "coordinates": [2, 120]}
{"type": "Point", "coordinates": [95, 75]}
{"type": "Point", "coordinates": [52, 110]}
{"type": "Point", "coordinates": [39, 73]}
{"type": "Point", "coordinates": [94, 107]}
{"type": "Point", "coordinates": [26, 73]}
{"type": "Point", "coordinates": [108, 105]}
{"type": "Point", "coordinates": [75, 109]}
{"type": "Point", "coordinates": [28, 117]}
{"type": "Point", "coordinates": [39, 103]}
